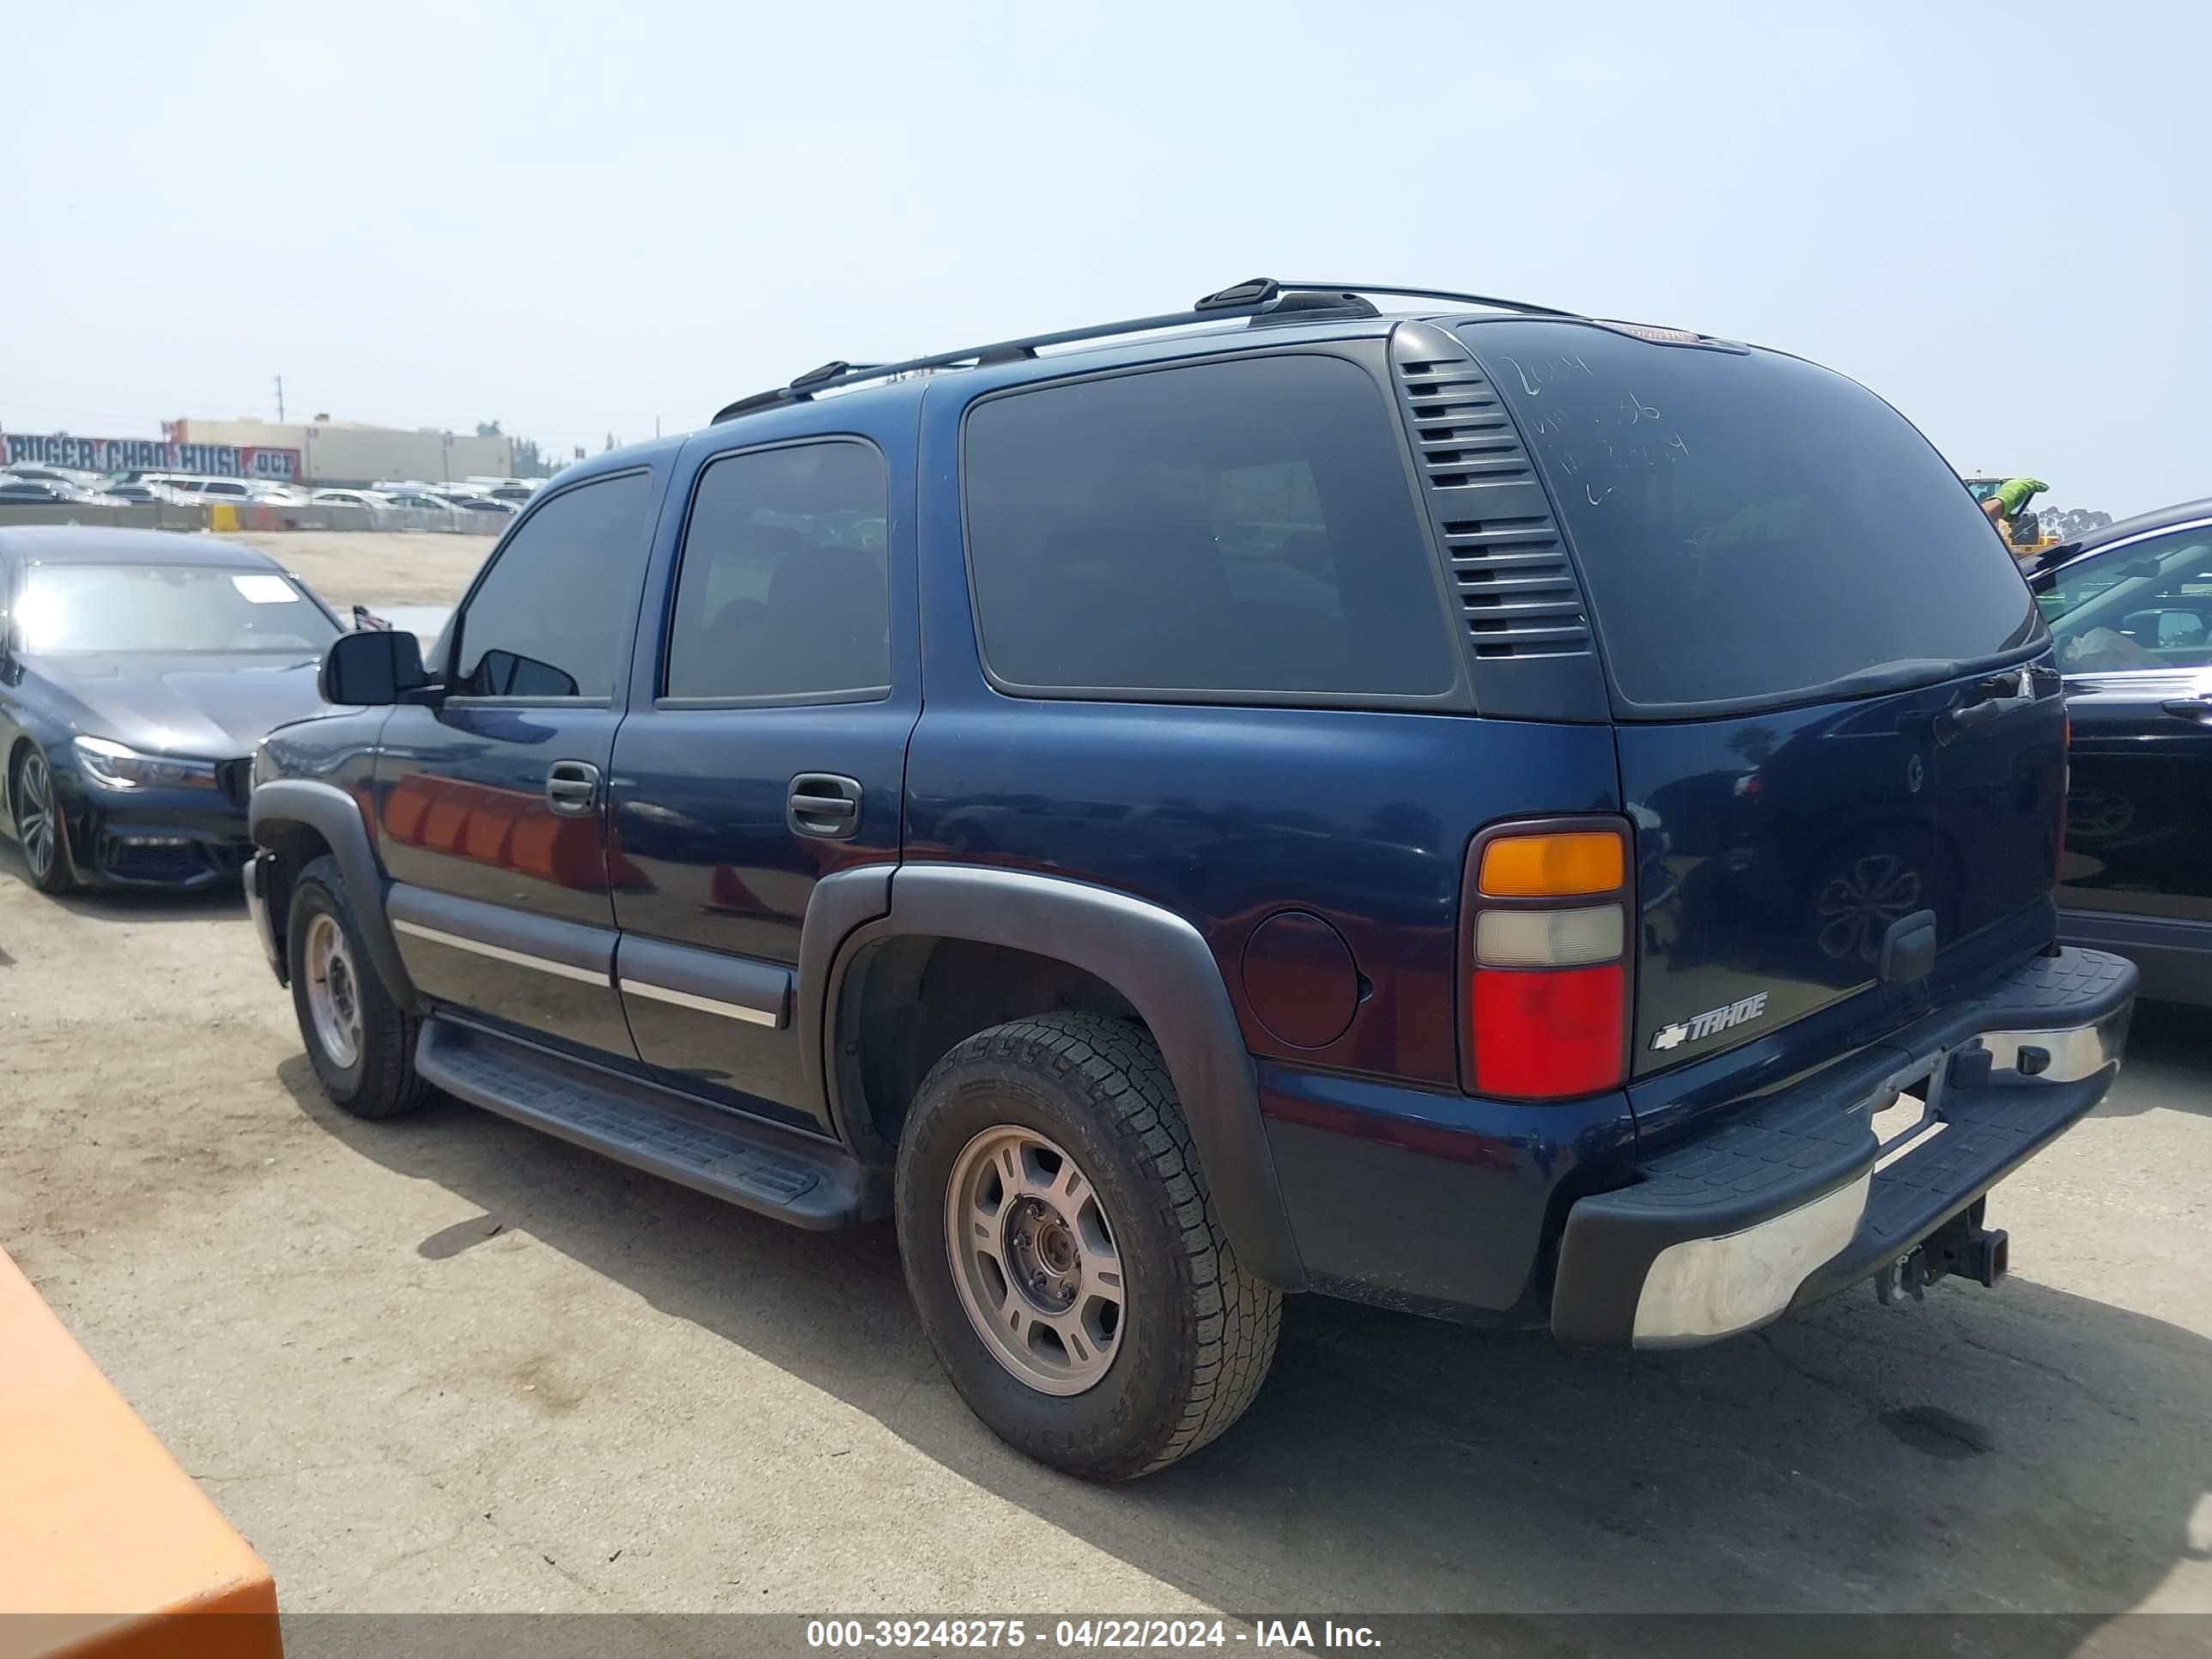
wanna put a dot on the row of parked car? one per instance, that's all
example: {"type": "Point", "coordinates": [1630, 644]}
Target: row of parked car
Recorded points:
{"type": "Point", "coordinates": [43, 485]}
{"type": "Point", "coordinates": [504, 500]}
{"type": "Point", "coordinates": [1425, 806]}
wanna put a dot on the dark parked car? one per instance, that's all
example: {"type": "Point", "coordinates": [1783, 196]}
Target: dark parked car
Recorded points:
{"type": "Point", "coordinates": [137, 671]}
{"type": "Point", "coordinates": [2132, 608]}
{"type": "Point", "coordinates": [1506, 816]}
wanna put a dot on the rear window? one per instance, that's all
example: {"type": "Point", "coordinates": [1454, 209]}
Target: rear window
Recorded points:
{"type": "Point", "coordinates": [1749, 526]}
{"type": "Point", "coordinates": [1229, 529]}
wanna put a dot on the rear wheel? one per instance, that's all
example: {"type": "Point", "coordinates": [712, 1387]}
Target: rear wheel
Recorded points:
{"type": "Point", "coordinates": [361, 1042]}
{"type": "Point", "coordinates": [1061, 1247]}
{"type": "Point", "coordinates": [41, 829]}
{"type": "Point", "coordinates": [1034, 1260]}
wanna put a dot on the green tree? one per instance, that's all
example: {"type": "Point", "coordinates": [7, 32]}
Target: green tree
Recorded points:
{"type": "Point", "coordinates": [2068, 523]}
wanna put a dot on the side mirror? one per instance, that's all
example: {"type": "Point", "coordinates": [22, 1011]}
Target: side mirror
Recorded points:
{"type": "Point", "coordinates": [372, 670]}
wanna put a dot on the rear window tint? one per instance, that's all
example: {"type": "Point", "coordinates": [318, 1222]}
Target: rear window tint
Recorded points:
{"type": "Point", "coordinates": [1229, 528]}
{"type": "Point", "coordinates": [1749, 525]}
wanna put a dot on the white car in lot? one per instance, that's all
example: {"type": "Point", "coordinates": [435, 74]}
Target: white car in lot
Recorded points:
{"type": "Point", "coordinates": [75, 478]}
{"type": "Point", "coordinates": [408, 495]}
{"type": "Point", "coordinates": [149, 492]}
{"type": "Point", "coordinates": [199, 487]}
{"type": "Point", "coordinates": [464, 500]}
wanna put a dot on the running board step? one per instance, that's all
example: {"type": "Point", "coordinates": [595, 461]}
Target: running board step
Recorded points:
{"type": "Point", "coordinates": [794, 1177]}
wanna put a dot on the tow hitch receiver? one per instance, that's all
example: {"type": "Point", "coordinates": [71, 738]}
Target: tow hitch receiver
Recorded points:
{"type": "Point", "coordinates": [1961, 1245]}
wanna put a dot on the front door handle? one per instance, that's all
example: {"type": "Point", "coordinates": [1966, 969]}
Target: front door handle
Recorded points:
{"type": "Point", "coordinates": [572, 788]}
{"type": "Point", "coordinates": [2191, 708]}
{"type": "Point", "coordinates": [824, 805]}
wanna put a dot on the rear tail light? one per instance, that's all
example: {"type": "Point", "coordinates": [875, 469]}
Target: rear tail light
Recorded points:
{"type": "Point", "coordinates": [1548, 1034]}
{"type": "Point", "coordinates": [1556, 865]}
{"type": "Point", "coordinates": [1546, 910]}
{"type": "Point", "coordinates": [1549, 938]}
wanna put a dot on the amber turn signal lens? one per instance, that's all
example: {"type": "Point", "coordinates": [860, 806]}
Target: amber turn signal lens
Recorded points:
{"type": "Point", "coordinates": [1554, 866]}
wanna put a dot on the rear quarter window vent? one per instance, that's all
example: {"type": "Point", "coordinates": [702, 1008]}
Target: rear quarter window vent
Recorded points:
{"type": "Point", "coordinates": [1526, 623]}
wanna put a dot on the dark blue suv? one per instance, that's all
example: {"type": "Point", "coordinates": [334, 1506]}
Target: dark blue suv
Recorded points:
{"type": "Point", "coordinates": [1522, 819]}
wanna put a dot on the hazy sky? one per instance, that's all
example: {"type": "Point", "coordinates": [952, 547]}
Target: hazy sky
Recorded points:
{"type": "Point", "coordinates": [577, 220]}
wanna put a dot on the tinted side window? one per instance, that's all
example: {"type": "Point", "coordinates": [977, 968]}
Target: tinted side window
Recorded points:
{"type": "Point", "coordinates": [2145, 605]}
{"type": "Point", "coordinates": [1241, 527]}
{"type": "Point", "coordinates": [551, 613]}
{"type": "Point", "coordinates": [783, 593]}
{"type": "Point", "coordinates": [2072, 588]}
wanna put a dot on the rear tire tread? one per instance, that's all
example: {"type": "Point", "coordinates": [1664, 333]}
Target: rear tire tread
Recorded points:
{"type": "Point", "coordinates": [1117, 1068]}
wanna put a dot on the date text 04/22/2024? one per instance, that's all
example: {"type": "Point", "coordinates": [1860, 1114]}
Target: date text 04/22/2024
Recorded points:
{"type": "Point", "coordinates": [1085, 1634]}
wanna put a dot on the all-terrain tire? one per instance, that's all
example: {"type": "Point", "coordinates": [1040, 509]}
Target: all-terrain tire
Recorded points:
{"type": "Point", "coordinates": [378, 1080]}
{"type": "Point", "coordinates": [1198, 1332]}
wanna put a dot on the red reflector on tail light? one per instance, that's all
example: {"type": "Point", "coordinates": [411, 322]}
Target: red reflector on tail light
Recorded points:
{"type": "Point", "coordinates": [1549, 1034]}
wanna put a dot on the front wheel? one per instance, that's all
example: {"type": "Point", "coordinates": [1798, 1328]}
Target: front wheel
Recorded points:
{"type": "Point", "coordinates": [361, 1042]}
{"type": "Point", "coordinates": [1061, 1245]}
{"type": "Point", "coordinates": [41, 830]}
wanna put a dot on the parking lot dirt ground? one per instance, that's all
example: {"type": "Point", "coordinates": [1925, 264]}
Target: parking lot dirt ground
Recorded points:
{"type": "Point", "coordinates": [375, 568]}
{"type": "Point", "coordinates": [448, 1365]}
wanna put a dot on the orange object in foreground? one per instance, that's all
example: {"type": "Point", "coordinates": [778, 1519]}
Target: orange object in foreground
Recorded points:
{"type": "Point", "coordinates": [108, 1550]}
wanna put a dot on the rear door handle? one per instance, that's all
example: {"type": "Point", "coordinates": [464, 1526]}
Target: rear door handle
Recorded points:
{"type": "Point", "coordinates": [2191, 708]}
{"type": "Point", "coordinates": [824, 805]}
{"type": "Point", "coordinates": [1964, 715]}
{"type": "Point", "coordinates": [572, 788]}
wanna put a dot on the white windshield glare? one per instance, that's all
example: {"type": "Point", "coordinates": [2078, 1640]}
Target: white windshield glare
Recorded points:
{"type": "Point", "coordinates": [165, 608]}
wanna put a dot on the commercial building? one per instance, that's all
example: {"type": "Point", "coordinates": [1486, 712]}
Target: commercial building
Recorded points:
{"type": "Point", "coordinates": [61, 449]}
{"type": "Point", "coordinates": [357, 453]}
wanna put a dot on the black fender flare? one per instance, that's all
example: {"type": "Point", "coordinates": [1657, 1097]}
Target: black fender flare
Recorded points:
{"type": "Point", "coordinates": [1152, 957]}
{"type": "Point", "coordinates": [332, 813]}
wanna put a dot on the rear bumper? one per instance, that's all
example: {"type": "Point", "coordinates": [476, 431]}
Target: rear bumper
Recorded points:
{"type": "Point", "coordinates": [1795, 1199]}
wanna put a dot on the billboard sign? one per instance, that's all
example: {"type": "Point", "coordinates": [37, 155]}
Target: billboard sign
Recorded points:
{"type": "Point", "coordinates": [147, 455]}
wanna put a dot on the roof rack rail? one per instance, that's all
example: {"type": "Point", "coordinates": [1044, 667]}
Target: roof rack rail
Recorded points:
{"type": "Point", "coordinates": [1491, 301]}
{"type": "Point", "coordinates": [1254, 298]}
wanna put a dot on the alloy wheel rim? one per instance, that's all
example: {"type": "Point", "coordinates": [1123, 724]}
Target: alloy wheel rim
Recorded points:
{"type": "Point", "coordinates": [34, 816]}
{"type": "Point", "coordinates": [333, 992]}
{"type": "Point", "coordinates": [1035, 1261]}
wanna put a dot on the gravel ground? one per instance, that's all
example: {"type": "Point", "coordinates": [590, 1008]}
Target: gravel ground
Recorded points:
{"type": "Point", "coordinates": [375, 566]}
{"type": "Point", "coordinates": [448, 1365]}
